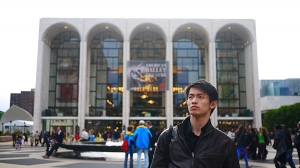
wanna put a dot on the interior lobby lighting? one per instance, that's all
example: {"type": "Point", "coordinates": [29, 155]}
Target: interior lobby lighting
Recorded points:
{"type": "Point", "coordinates": [151, 101]}
{"type": "Point", "coordinates": [148, 27]}
{"type": "Point", "coordinates": [229, 28]}
{"type": "Point", "coordinates": [106, 27]}
{"type": "Point", "coordinates": [66, 27]}
{"type": "Point", "coordinates": [188, 27]}
{"type": "Point", "coordinates": [144, 96]}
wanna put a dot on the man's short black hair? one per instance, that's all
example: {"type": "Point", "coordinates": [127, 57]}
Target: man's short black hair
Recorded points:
{"type": "Point", "coordinates": [206, 87]}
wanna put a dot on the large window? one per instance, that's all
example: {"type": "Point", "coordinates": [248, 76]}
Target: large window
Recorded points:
{"type": "Point", "coordinates": [64, 72]}
{"type": "Point", "coordinates": [147, 46]}
{"type": "Point", "coordinates": [231, 82]}
{"type": "Point", "coordinates": [106, 75]}
{"type": "Point", "coordinates": [188, 67]}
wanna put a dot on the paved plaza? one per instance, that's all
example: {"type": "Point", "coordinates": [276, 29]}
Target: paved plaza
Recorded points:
{"type": "Point", "coordinates": [32, 157]}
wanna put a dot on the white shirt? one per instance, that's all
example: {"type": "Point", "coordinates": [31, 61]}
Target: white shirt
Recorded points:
{"type": "Point", "coordinates": [84, 135]}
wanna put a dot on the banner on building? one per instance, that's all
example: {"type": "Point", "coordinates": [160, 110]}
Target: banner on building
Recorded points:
{"type": "Point", "coordinates": [147, 76]}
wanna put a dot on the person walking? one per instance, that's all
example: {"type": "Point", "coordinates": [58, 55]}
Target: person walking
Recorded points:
{"type": "Point", "coordinates": [36, 138]}
{"type": "Point", "coordinates": [261, 145]}
{"type": "Point", "coordinates": [280, 146]}
{"type": "Point", "coordinates": [242, 139]}
{"type": "Point", "coordinates": [196, 142]}
{"type": "Point", "coordinates": [26, 138]}
{"type": "Point", "coordinates": [129, 136]}
{"type": "Point", "coordinates": [254, 142]}
{"type": "Point", "coordinates": [31, 139]}
{"type": "Point", "coordinates": [289, 146]}
{"type": "Point", "coordinates": [14, 138]}
{"type": "Point", "coordinates": [59, 139]}
{"type": "Point", "coordinates": [46, 141]}
{"type": "Point", "coordinates": [297, 141]}
{"type": "Point", "coordinates": [152, 141]}
{"type": "Point", "coordinates": [230, 133]}
{"type": "Point", "coordinates": [142, 137]}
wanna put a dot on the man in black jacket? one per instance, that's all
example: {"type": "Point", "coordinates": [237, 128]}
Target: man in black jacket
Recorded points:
{"type": "Point", "coordinates": [195, 142]}
{"type": "Point", "coordinates": [152, 140]}
{"type": "Point", "coordinates": [297, 141]}
{"type": "Point", "coordinates": [58, 140]}
{"type": "Point", "coordinates": [289, 146]}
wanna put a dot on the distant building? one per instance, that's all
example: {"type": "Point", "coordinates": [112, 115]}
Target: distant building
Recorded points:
{"type": "Point", "coordinates": [25, 100]}
{"type": "Point", "coordinates": [277, 93]}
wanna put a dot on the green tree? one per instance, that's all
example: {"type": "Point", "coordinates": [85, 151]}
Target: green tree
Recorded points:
{"type": "Point", "coordinates": [288, 115]}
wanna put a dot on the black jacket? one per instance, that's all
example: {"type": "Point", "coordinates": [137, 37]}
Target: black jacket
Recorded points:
{"type": "Point", "coordinates": [59, 138]}
{"type": "Point", "coordinates": [297, 139]}
{"type": "Point", "coordinates": [213, 150]}
{"type": "Point", "coordinates": [153, 138]}
{"type": "Point", "coordinates": [243, 139]}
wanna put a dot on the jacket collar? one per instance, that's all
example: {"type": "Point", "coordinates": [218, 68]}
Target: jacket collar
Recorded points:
{"type": "Point", "coordinates": [181, 126]}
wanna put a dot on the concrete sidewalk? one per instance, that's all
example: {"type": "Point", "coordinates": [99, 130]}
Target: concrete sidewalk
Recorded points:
{"type": "Point", "coordinates": [32, 157]}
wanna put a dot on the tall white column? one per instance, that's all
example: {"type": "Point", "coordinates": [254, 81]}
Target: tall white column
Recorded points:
{"type": "Point", "coordinates": [169, 93]}
{"type": "Point", "coordinates": [126, 93]}
{"type": "Point", "coordinates": [82, 95]}
{"type": "Point", "coordinates": [42, 84]}
{"type": "Point", "coordinates": [212, 78]}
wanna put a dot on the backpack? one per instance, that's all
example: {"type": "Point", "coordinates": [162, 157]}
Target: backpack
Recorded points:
{"type": "Point", "coordinates": [124, 146]}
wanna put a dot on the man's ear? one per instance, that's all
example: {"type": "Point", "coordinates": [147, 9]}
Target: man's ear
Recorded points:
{"type": "Point", "coordinates": [213, 104]}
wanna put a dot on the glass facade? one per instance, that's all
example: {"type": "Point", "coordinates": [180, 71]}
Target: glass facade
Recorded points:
{"type": "Point", "coordinates": [147, 103]}
{"type": "Point", "coordinates": [106, 75]}
{"type": "Point", "coordinates": [67, 126]}
{"type": "Point", "coordinates": [64, 74]}
{"type": "Point", "coordinates": [287, 87]}
{"type": "Point", "coordinates": [231, 79]}
{"type": "Point", "coordinates": [103, 125]}
{"type": "Point", "coordinates": [188, 67]}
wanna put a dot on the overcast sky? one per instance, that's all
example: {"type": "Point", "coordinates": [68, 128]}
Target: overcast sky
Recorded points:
{"type": "Point", "coordinates": [277, 28]}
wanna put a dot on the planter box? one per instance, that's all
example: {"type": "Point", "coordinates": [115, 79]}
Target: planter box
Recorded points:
{"type": "Point", "coordinates": [5, 138]}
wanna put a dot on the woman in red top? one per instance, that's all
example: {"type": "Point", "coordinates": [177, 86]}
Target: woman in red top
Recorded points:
{"type": "Point", "coordinates": [77, 136]}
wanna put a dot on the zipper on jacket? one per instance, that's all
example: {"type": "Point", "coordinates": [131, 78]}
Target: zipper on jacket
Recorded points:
{"type": "Point", "coordinates": [201, 138]}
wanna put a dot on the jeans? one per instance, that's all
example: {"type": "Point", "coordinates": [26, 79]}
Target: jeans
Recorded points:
{"type": "Point", "coordinates": [239, 151]}
{"type": "Point", "coordinates": [139, 152]}
{"type": "Point", "coordinates": [126, 159]}
{"type": "Point", "coordinates": [289, 158]}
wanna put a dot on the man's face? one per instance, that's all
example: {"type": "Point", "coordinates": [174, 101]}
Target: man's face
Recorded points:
{"type": "Point", "coordinates": [58, 129]}
{"type": "Point", "coordinates": [198, 103]}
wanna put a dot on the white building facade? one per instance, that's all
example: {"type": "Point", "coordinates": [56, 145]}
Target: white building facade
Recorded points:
{"type": "Point", "coordinates": [106, 74]}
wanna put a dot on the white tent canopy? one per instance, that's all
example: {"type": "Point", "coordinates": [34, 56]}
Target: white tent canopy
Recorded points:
{"type": "Point", "coordinates": [19, 123]}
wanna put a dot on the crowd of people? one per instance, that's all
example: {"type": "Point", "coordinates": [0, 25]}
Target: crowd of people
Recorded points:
{"type": "Point", "coordinates": [252, 142]}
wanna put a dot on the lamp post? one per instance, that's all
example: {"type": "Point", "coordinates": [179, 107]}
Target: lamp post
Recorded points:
{"type": "Point", "coordinates": [24, 127]}
{"type": "Point", "coordinates": [10, 126]}
{"type": "Point", "coordinates": [14, 127]}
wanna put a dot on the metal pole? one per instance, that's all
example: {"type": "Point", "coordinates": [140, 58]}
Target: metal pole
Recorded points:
{"type": "Point", "coordinates": [24, 126]}
{"type": "Point", "coordinates": [10, 127]}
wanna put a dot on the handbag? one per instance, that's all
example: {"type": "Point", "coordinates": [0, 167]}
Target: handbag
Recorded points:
{"type": "Point", "coordinates": [244, 151]}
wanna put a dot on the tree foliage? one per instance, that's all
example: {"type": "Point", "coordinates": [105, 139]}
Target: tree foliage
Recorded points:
{"type": "Point", "coordinates": [288, 115]}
